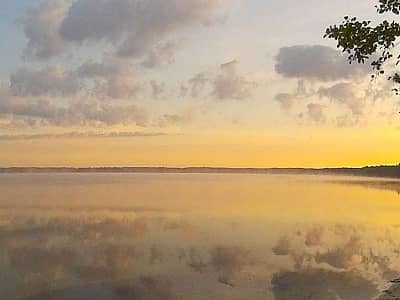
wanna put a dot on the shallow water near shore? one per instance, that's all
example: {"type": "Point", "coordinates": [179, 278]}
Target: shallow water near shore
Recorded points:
{"type": "Point", "coordinates": [197, 236]}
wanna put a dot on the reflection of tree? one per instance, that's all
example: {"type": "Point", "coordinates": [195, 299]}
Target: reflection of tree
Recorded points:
{"type": "Point", "coordinates": [390, 185]}
{"type": "Point", "coordinates": [392, 293]}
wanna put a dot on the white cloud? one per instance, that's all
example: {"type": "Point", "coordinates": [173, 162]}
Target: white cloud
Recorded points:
{"type": "Point", "coordinates": [343, 257]}
{"type": "Point", "coordinates": [316, 112]}
{"type": "Point", "coordinates": [157, 88]}
{"type": "Point", "coordinates": [347, 94]}
{"type": "Point", "coordinates": [230, 84]}
{"type": "Point", "coordinates": [41, 27]}
{"type": "Point", "coordinates": [79, 135]}
{"type": "Point", "coordinates": [348, 103]}
{"type": "Point", "coordinates": [113, 78]}
{"type": "Point", "coordinates": [286, 101]}
{"type": "Point", "coordinates": [136, 28]}
{"type": "Point", "coordinates": [175, 119]}
{"type": "Point", "coordinates": [53, 81]}
{"type": "Point", "coordinates": [229, 261]}
{"type": "Point", "coordinates": [315, 62]}
{"type": "Point", "coordinates": [79, 112]}
{"type": "Point", "coordinates": [197, 84]}
{"type": "Point", "coordinates": [163, 53]}
{"type": "Point", "coordinates": [89, 112]}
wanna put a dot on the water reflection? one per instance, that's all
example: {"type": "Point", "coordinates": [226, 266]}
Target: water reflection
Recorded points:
{"type": "Point", "coordinates": [266, 238]}
{"type": "Point", "coordinates": [377, 183]}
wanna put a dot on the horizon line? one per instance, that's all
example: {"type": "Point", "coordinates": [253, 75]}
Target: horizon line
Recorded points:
{"type": "Point", "coordinates": [195, 167]}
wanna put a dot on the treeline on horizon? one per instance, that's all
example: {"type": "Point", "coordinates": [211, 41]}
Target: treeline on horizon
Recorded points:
{"type": "Point", "coordinates": [371, 171]}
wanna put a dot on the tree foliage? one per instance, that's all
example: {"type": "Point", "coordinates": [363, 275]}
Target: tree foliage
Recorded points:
{"type": "Point", "coordinates": [363, 41]}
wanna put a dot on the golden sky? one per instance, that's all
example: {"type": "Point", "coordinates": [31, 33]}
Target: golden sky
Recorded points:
{"type": "Point", "coordinates": [238, 149]}
{"type": "Point", "coordinates": [188, 83]}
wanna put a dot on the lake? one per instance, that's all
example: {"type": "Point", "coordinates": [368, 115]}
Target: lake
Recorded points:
{"type": "Point", "coordinates": [197, 236]}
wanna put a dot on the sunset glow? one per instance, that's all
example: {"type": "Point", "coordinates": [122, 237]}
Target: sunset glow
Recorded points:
{"type": "Point", "coordinates": [217, 83]}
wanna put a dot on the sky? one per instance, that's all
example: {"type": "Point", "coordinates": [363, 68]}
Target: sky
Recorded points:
{"type": "Point", "coordinates": [234, 83]}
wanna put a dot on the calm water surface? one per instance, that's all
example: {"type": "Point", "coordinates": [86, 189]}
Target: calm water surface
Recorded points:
{"type": "Point", "coordinates": [190, 236]}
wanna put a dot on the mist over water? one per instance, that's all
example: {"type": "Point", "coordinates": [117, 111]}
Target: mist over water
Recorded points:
{"type": "Point", "coordinates": [197, 236]}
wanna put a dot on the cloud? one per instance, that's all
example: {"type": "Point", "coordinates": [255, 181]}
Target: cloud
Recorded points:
{"type": "Point", "coordinates": [39, 260]}
{"type": "Point", "coordinates": [135, 27]}
{"type": "Point", "coordinates": [313, 237]}
{"type": "Point", "coordinates": [118, 87]}
{"type": "Point", "coordinates": [147, 287]}
{"type": "Point", "coordinates": [343, 257]}
{"type": "Point", "coordinates": [316, 112]}
{"type": "Point", "coordinates": [283, 247]}
{"type": "Point", "coordinates": [83, 112]}
{"type": "Point", "coordinates": [348, 94]}
{"type": "Point", "coordinates": [144, 287]}
{"type": "Point", "coordinates": [286, 101]}
{"type": "Point", "coordinates": [105, 69]}
{"type": "Point", "coordinates": [19, 107]}
{"type": "Point", "coordinates": [348, 103]}
{"type": "Point", "coordinates": [113, 78]}
{"type": "Point", "coordinates": [175, 119]}
{"type": "Point", "coordinates": [315, 62]}
{"type": "Point", "coordinates": [318, 284]}
{"type": "Point", "coordinates": [79, 135]}
{"type": "Point", "coordinates": [11, 123]}
{"type": "Point", "coordinates": [197, 84]}
{"type": "Point", "coordinates": [182, 227]}
{"type": "Point", "coordinates": [196, 262]}
{"type": "Point", "coordinates": [41, 27]}
{"type": "Point", "coordinates": [156, 253]}
{"type": "Point", "coordinates": [230, 84]}
{"type": "Point", "coordinates": [51, 81]}
{"type": "Point", "coordinates": [346, 120]}
{"type": "Point", "coordinates": [73, 229]}
{"type": "Point", "coordinates": [110, 261]}
{"type": "Point", "coordinates": [157, 89]}
{"type": "Point", "coordinates": [229, 261]}
{"type": "Point", "coordinates": [163, 53]}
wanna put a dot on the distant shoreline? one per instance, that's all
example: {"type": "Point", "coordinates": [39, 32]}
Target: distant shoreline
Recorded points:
{"type": "Point", "coordinates": [370, 171]}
